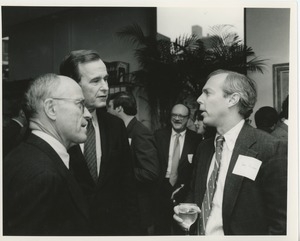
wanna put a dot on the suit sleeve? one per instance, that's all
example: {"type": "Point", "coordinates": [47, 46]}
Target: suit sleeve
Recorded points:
{"type": "Point", "coordinates": [147, 167]}
{"type": "Point", "coordinates": [32, 204]}
{"type": "Point", "coordinates": [128, 187]}
{"type": "Point", "coordinates": [275, 189]}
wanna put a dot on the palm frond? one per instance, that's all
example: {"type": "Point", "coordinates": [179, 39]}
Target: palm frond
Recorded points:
{"type": "Point", "coordinates": [133, 33]}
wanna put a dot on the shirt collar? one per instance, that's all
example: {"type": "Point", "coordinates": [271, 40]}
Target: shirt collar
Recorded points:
{"type": "Point", "coordinates": [174, 133]}
{"type": "Point", "coordinates": [18, 122]}
{"type": "Point", "coordinates": [231, 135]}
{"type": "Point", "coordinates": [56, 145]}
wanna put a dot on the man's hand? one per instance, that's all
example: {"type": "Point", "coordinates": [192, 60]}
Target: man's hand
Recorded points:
{"type": "Point", "coordinates": [179, 221]}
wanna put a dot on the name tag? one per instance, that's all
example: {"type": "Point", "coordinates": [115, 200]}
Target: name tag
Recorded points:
{"type": "Point", "coordinates": [247, 167]}
{"type": "Point", "coordinates": [129, 140]}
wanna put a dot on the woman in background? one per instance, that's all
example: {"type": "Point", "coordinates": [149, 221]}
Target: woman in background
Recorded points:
{"type": "Point", "coordinates": [201, 128]}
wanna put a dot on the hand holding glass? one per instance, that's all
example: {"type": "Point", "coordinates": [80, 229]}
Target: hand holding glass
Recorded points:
{"type": "Point", "coordinates": [188, 212]}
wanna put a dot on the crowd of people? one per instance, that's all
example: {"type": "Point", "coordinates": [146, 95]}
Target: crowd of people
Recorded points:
{"type": "Point", "coordinates": [89, 167]}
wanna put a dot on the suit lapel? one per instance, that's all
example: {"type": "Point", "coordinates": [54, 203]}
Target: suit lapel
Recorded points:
{"type": "Point", "coordinates": [103, 127]}
{"type": "Point", "coordinates": [186, 148]}
{"type": "Point", "coordinates": [166, 146]}
{"type": "Point", "coordinates": [63, 170]}
{"type": "Point", "coordinates": [233, 182]}
{"type": "Point", "coordinates": [130, 126]}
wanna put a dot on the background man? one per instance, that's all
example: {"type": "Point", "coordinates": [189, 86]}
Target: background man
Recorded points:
{"type": "Point", "coordinates": [40, 196]}
{"type": "Point", "coordinates": [241, 187]}
{"type": "Point", "coordinates": [176, 146]}
{"type": "Point", "coordinates": [266, 118]}
{"type": "Point", "coordinates": [15, 129]}
{"type": "Point", "coordinates": [281, 130]}
{"type": "Point", "coordinates": [146, 165]}
{"type": "Point", "coordinates": [103, 165]}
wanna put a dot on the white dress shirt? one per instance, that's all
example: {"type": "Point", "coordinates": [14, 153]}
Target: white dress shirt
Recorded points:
{"type": "Point", "coordinates": [98, 140]}
{"type": "Point", "coordinates": [214, 224]}
{"type": "Point", "coordinates": [56, 145]}
{"type": "Point", "coordinates": [171, 149]}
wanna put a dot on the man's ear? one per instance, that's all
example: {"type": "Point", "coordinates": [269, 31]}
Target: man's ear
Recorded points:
{"type": "Point", "coordinates": [50, 108]}
{"type": "Point", "coordinates": [119, 109]}
{"type": "Point", "coordinates": [234, 99]}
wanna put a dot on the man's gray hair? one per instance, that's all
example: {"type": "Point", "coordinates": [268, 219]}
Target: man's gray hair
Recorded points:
{"type": "Point", "coordinates": [40, 89]}
{"type": "Point", "coordinates": [244, 86]}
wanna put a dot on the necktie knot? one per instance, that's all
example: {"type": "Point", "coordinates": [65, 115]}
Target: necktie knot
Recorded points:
{"type": "Point", "coordinates": [220, 140]}
{"type": "Point", "coordinates": [219, 147]}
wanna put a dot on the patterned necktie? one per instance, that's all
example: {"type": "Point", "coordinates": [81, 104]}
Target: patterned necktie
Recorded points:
{"type": "Point", "coordinates": [211, 186]}
{"type": "Point", "coordinates": [90, 151]}
{"type": "Point", "coordinates": [175, 161]}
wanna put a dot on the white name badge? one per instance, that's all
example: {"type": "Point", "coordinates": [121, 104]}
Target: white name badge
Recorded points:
{"type": "Point", "coordinates": [129, 140]}
{"type": "Point", "coordinates": [247, 167]}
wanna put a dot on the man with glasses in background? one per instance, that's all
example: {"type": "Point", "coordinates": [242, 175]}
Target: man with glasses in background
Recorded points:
{"type": "Point", "coordinates": [40, 195]}
{"type": "Point", "coordinates": [176, 146]}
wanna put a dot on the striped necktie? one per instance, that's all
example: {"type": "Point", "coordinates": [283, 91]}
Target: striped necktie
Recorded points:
{"type": "Point", "coordinates": [90, 151]}
{"type": "Point", "coordinates": [175, 161]}
{"type": "Point", "coordinates": [211, 186]}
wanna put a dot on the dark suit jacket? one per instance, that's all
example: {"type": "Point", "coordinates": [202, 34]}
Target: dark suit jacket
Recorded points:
{"type": "Point", "coordinates": [192, 139]}
{"type": "Point", "coordinates": [13, 134]}
{"type": "Point", "coordinates": [249, 207]}
{"type": "Point", "coordinates": [40, 196]}
{"type": "Point", "coordinates": [146, 169]}
{"type": "Point", "coordinates": [113, 198]}
{"type": "Point", "coordinates": [165, 203]}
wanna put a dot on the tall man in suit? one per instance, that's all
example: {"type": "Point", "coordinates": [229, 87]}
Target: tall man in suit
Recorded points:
{"type": "Point", "coordinates": [40, 196]}
{"type": "Point", "coordinates": [103, 165]}
{"type": "Point", "coordinates": [241, 187]}
{"type": "Point", "coordinates": [176, 146]}
{"type": "Point", "coordinates": [144, 152]}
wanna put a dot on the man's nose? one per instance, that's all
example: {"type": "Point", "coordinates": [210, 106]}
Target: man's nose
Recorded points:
{"type": "Point", "coordinates": [104, 85]}
{"type": "Point", "coordinates": [86, 114]}
{"type": "Point", "coordinates": [199, 100]}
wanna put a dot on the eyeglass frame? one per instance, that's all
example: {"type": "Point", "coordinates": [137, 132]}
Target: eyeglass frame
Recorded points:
{"type": "Point", "coordinates": [179, 116]}
{"type": "Point", "coordinates": [75, 101]}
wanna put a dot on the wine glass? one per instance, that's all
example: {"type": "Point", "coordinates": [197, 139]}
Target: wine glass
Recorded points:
{"type": "Point", "coordinates": [188, 212]}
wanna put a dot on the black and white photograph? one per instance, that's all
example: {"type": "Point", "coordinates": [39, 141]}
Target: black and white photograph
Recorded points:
{"type": "Point", "coordinates": [150, 120]}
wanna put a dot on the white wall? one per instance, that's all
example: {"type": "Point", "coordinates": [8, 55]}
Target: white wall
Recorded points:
{"type": "Point", "coordinates": [267, 32]}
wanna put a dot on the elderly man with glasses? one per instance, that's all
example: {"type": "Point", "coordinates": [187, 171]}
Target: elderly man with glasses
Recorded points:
{"type": "Point", "coordinates": [176, 146]}
{"type": "Point", "coordinates": [40, 195]}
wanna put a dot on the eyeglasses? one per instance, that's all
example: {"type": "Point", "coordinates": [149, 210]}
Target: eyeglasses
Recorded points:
{"type": "Point", "coordinates": [78, 102]}
{"type": "Point", "coordinates": [181, 117]}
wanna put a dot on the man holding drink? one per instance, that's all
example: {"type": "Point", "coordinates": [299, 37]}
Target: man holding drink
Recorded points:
{"type": "Point", "coordinates": [240, 176]}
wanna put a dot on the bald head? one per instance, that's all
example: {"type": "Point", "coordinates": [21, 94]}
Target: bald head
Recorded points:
{"type": "Point", "coordinates": [47, 86]}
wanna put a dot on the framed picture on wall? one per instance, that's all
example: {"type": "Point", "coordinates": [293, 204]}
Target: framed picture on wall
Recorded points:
{"type": "Point", "coordinates": [280, 84]}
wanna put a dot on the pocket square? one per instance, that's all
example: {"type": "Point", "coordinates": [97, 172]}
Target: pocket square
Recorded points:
{"type": "Point", "coordinates": [190, 158]}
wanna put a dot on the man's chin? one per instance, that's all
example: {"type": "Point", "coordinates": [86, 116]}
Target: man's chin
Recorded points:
{"type": "Point", "coordinates": [101, 105]}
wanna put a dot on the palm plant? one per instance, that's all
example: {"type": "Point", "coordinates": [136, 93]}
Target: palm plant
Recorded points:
{"type": "Point", "coordinates": [173, 71]}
